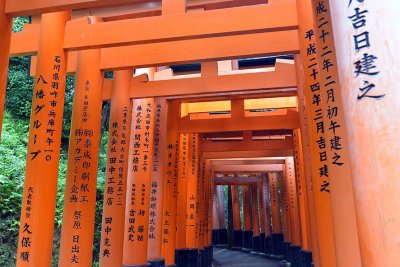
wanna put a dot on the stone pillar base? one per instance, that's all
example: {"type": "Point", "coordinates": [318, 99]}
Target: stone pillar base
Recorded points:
{"type": "Point", "coordinates": [306, 258]}
{"type": "Point", "coordinates": [294, 256]}
{"type": "Point", "coordinates": [223, 237]}
{"type": "Point", "coordinates": [248, 240]}
{"type": "Point", "coordinates": [268, 245]}
{"type": "Point", "coordinates": [157, 263]}
{"type": "Point", "coordinates": [262, 243]}
{"type": "Point", "coordinates": [181, 258]}
{"type": "Point", "coordinates": [215, 236]}
{"type": "Point", "coordinates": [256, 243]}
{"type": "Point", "coordinates": [144, 265]}
{"type": "Point", "coordinates": [238, 238]}
{"type": "Point", "coordinates": [278, 248]}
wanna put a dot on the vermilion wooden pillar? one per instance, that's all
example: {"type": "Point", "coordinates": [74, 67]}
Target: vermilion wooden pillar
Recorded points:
{"type": "Point", "coordinates": [35, 240]}
{"type": "Point", "coordinates": [237, 228]}
{"type": "Point", "coordinates": [255, 219]}
{"type": "Point", "coordinates": [77, 231]}
{"type": "Point", "coordinates": [215, 219]}
{"type": "Point", "coordinates": [183, 165]}
{"type": "Point", "coordinates": [302, 196]}
{"type": "Point", "coordinates": [314, 107]}
{"type": "Point", "coordinates": [267, 215]}
{"type": "Point", "coordinates": [207, 201]}
{"type": "Point", "coordinates": [170, 186]}
{"type": "Point", "coordinates": [139, 183]}
{"type": "Point", "coordinates": [247, 223]}
{"type": "Point", "coordinates": [262, 215]}
{"type": "Point", "coordinates": [372, 36]}
{"type": "Point", "coordinates": [294, 215]}
{"type": "Point", "coordinates": [223, 232]}
{"type": "Point", "coordinates": [283, 186]}
{"type": "Point", "coordinates": [221, 206]}
{"type": "Point", "coordinates": [157, 182]}
{"type": "Point", "coordinates": [277, 235]}
{"type": "Point", "coordinates": [209, 186]}
{"type": "Point", "coordinates": [192, 193]}
{"type": "Point", "coordinates": [5, 33]}
{"type": "Point", "coordinates": [230, 218]}
{"type": "Point", "coordinates": [307, 160]}
{"type": "Point", "coordinates": [112, 233]}
{"type": "Point", "coordinates": [201, 203]}
{"type": "Point", "coordinates": [338, 159]}
{"type": "Point", "coordinates": [202, 236]}
{"type": "Point", "coordinates": [192, 199]}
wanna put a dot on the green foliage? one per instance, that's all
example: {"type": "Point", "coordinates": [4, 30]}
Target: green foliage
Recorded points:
{"type": "Point", "coordinates": [13, 148]}
{"type": "Point", "coordinates": [12, 167]}
{"type": "Point", "coordinates": [18, 23]}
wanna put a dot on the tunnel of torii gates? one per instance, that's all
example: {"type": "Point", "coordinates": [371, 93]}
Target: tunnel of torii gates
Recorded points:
{"type": "Point", "coordinates": [292, 119]}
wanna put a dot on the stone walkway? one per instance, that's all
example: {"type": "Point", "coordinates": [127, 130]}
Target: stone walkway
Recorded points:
{"type": "Point", "coordinates": [226, 257]}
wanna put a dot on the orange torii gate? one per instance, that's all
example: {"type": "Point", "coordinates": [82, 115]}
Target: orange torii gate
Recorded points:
{"type": "Point", "coordinates": [323, 189]}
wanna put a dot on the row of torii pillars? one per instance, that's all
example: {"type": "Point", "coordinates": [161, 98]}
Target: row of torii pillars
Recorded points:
{"type": "Point", "coordinates": [270, 217]}
{"type": "Point", "coordinates": [357, 221]}
{"type": "Point", "coordinates": [270, 223]}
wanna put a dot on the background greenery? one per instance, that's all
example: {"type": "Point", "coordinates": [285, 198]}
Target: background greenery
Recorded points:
{"type": "Point", "coordinates": [13, 152]}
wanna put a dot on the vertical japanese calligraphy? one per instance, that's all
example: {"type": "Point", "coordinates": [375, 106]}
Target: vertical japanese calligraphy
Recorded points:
{"type": "Point", "coordinates": [246, 208]}
{"type": "Point", "coordinates": [236, 208]}
{"type": "Point", "coordinates": [266, 206]}
{"type": "Point", "coordinates": [293, 202]}
{"type": "Point", "coordinates": [170, 186]}
{"type": "Point", "coordinates": [183, 166]}
{"type": "Point", "coordinates": [210, 186]}
{"type": "Point", "coordinates": [335, 140]}
{"type": "Point", "coordinates": [221, 206]}
{"type": "Point", "coordinates": [373, 132]}
{"type": "Point", "coordinates": [302, 191]}
{"type": "Point", "coordinates": [313, 105]}
{"type": "Point", "coordinates": [157, 179]}
{"type": "Point", "coordinates": [77, 231]}
{"type": "Point", "coordinates": [139, 182]}
{"type": "Point", "coordinates": [275, 204]}
{"type": "Point", "coordinates": [192, 202]}
{"type": "Point", "coordinates": [283, 186]}
{"type": "Point", "coordinates": [254, 211]}
{"type": "Point", "coordinates": [366, 65]}
{"type": "Point", "coordinates": [40, 186]}
{"type": "Point", "coordinates": [116, 171]}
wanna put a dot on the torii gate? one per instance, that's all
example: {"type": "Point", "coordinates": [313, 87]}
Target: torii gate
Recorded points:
{"type": "Point", "coordinates": [121, 36]}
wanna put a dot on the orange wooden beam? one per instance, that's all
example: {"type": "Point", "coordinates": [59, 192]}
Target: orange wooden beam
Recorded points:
{"type": "Point", "coordinates": [237, 180]}
{"type": "Point", "coordinates": [282, 80]}
{"type": "Point", "coordinates": [247, 162]}
{"type": "Point", "coordinates": [186, 51]}
{"type": "Point", "coordinates": [183, 26]}
{"type": "Point", "coordinates": [270, 93]}
{"type": "Point", "coordinates": [139, 10]}
{"type": "Point", "coordinates": [210, 146]}
{"type": "Point", "coordinates": [248, 154]}
{"type": "Point", "coordinates": [182, 51]}
{"type": "Point", "coordinates": [248, 168]}
{"type": "Point", "coordinates": [214, 23]}
{"type": "Point", "coordinates": [28, 7]}
{"type": "Point", "coordinates": [289, 121]}
{"type": "Point", "coordinates": [283, 77]}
